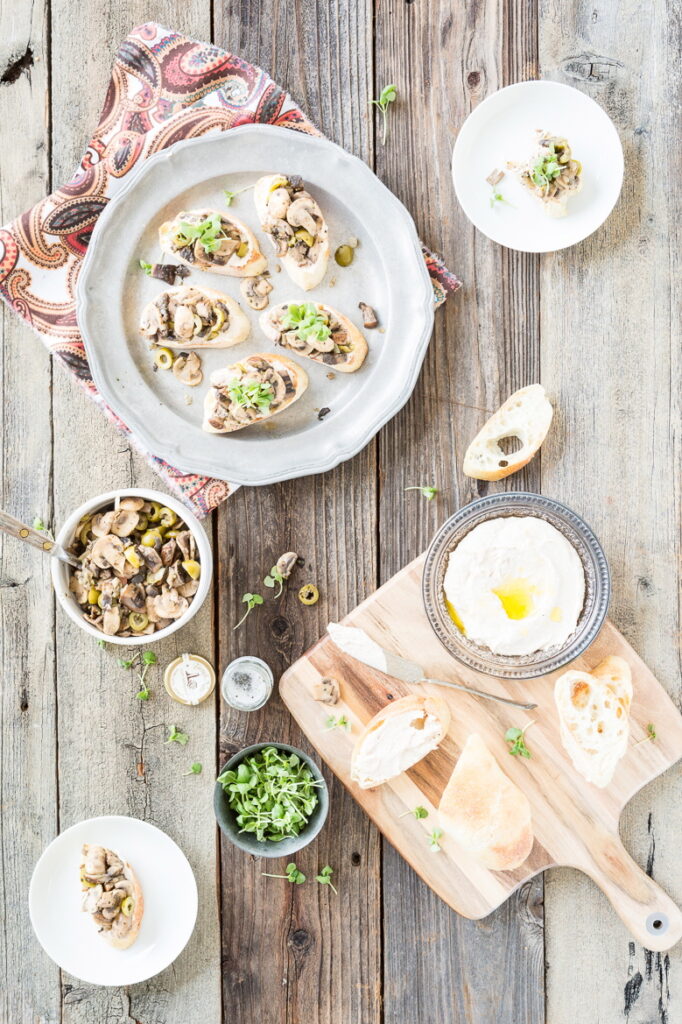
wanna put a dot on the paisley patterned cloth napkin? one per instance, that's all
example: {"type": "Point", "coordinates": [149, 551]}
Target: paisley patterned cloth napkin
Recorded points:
{"type": "Point", "coordinates": [163, 87]}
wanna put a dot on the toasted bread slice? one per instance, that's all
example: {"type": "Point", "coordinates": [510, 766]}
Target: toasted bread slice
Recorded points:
{"type": "Point", "coordinates": [525, 415]}
{"type": "Point", "coordinates": [212, 319]}
{"type": "Point", "coordinates": [344, 349]}
{"type": "Point", "coordinates": [594, 712]}
{"type": "Point", "coordinates": [112, 895]}
{"type": "Point", "coordinates": [296, 226]}
{"type": "Point", "coordinates": [255, 389]}
{"type": "Point", "coordinates": [225, 259]}
{"type": "Point", "coordinates": [399, 736]}
{"type": "Point", "coordinates": [484, 811]}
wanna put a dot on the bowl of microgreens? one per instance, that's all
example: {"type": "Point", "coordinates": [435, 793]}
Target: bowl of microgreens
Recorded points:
{"type": "Point", "coordinates": [271, 800]}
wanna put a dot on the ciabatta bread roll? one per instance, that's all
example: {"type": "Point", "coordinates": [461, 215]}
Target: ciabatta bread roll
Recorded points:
{"type": "Point", "coordinates": [399, 736]}
{"type": "Point", "coordinates": [214, 241]}
{"type": "Point", "coordinates": [484, 811]}
{"type": "Point", "coordinates": [525, 415]}
{"type": "Point", "coordinates": [112, 895]}
{"type": "Point", "coordinates": [190, 317]}
{"type": "Point", "coordinates": [255, 389]}
{"type": "Point", "coordinates": [594, 712]}
{"type": "Point", "coordinates": [294, 221]}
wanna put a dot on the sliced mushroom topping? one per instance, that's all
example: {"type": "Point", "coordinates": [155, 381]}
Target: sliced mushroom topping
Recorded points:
{"type": "Point", "coordinates": [189, 588]}
{"type": "Point", "coordinates": [101, 523]}
{"type": "Point", "coordinates": [91, 898]}
{"type": "Point", "coordinates": [281, 233]}
{"type": "Point", "coordinates": [369, 317]}
{"type": "Point", "coordinates": [326, 690]}
{"type": "Point", "coordinates": [134, 597]}
{"type": "Point", "coordinates": [256, 290]}
{"type": "Point", "coordinates": [124, 522]}
{"type": "Point", "coordinates": [183, 323]}
{"type": "Point", "coordinates": [111, 620]}
{"type": "Point", "coordinates": [168, 551]}
{"type": "Point", "coordinates": [132, 504]}
{"type": "Point", "coordinates": [170, 605]}
{"type": "Point", "coordinates": [187, 368]}
{"type": "Point", "coordinates": [278, 203]}
{"type": "Point", "coordinates": [302, 213]}
{"type": "Point", "coordinates": [187, 545]}
{"type": "Point", "coordinates": [107, 552]}
{"type": "Point", "coordinates": [286, 564]}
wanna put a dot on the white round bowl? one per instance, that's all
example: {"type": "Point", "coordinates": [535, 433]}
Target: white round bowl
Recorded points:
{"type": "Point", "coordinates": [61, 571]}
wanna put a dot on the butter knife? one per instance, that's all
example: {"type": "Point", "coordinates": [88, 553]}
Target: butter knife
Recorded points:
{"type": "Point", "coordinates": [353, 641]}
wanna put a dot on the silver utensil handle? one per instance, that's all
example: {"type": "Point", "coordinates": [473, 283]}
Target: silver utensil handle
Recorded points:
{"type": "Point", "coordinates": [481, 693]}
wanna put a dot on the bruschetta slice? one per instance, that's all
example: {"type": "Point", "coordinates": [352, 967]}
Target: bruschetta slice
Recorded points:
{"type": "Point", "coordinates": [317, 331]}
{"type": "Point", "coordinates": [552, 174]}
{"type": "Point", "coordinates": [293, 220]}
{"type": "Point", "coordinates": [112, 895]}
{"type": "Point", "coordinates": [191, 317]}
{"type": "Point", "coordinates": [214, 241]}
{"type": "Point", "coordinates": [525, 416]}
{"type": "Point", "coordinates": [253, 390]}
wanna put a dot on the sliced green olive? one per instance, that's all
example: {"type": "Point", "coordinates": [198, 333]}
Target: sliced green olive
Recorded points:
{"type": "Point", "coordinates": [308, 594]}
{"type": "Point", "coordinates": [304, 236]}
{"type": "Point", "coordinates": [192, 568]}
{"type": "Point", "coordinates": [93, 595]}
{"type": "Point", "coordinates": [155, 577]}
{"type": "Point", "coordinates": [150, 537]}
{"type": "Point", "coordinates": [86, 883]}
{"type": "Point", "coordinates": [155, 512]}
{"type": "Point", "coordinates": [84, 531]}
{"type": "Point", "coordinates": [132, 557]}
{"type": "Point", "coordinates": [127, 903]}
{"type": "Point", "coordinates": [167, 517]}
{"type": "Point", "coordinates": [344, 255]}
{"type": "Point", "coordinates": [138, 621]}
{"type": "Point", "coordinates": [164, 358]}
{"type": "Point", "coordinates": [142, 523]}
{"type": "Point", "coordinates": [242, 250]}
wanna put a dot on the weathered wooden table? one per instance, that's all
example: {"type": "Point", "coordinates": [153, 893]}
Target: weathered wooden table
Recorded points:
{"type": "Point", "coordinates": [597, 325]}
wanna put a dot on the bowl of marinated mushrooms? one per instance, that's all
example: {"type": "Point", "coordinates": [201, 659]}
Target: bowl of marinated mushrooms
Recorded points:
{"type": "Point", "coordinates": [144, 566]}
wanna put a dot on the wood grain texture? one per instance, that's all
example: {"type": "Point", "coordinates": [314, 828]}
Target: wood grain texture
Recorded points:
{"type": "Point", "coordinates": [297, 953]}
{"type": "Point", "coordinates": [445, 58]}
{"type": "Point", "coordinates": [614, 452]}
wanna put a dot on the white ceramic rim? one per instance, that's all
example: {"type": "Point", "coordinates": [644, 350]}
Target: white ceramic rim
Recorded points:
{"type": "Point", "coordinates": [469, 126]}
{"type": "Point", "coordinates": [299, 458]}
{"type": "Point", "coordinates": [61, 570]}
{"type": "Point", "coordinates": [193, 895]}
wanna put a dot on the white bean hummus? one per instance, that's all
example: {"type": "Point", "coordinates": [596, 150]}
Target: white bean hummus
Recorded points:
{"type": "Point", "coordinates": [515, 585]}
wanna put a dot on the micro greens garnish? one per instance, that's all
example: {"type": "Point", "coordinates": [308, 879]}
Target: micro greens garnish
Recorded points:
{"type": "Point", "coordinates": [429, 491]}
{"type": "Point", "coordinates": [419, 812]}
{"type": "Point", "coordinates": [387, 95]}
{"type": "Point", "coordinates": [196, 769]}
{"type": "Point", "coordinates": [208, 231]}
{"type": "Point", "coordinates": [434, 840]}
{"type": "Point", "coordinates": [177, 736]}
{"type": "Point", "coordinates": [253, 395]}
{"type": "Point", "coordinates": [100, 643]}
{"type": "Point", "coordinates": [251, 600]}
{"type": "Point", "coordinates": [38, 524]}
{"type": "Point", "coordinates": [338, 723]}
{"type": "Point", "coordinates": [497, 197]}
{"type": "Point", "coordinates": [275, 577]}
{"type": "Point", "coordinates": [325, 878]}
{"type": "Point", "coordinates": [147, 267]}
{"type": "Point", "coordinates": [546, 169]}
{"type": "Point", "coordinates": [146, 659]}
{"type": "Point", "coordinates": [230, 196]}
{"type": "Point", "coordinates": [515, 737]}
{"type": "Point", "coordinates": [650, 734]}
{"type": "Point", "coordinates": [273, 793]}
{"type": "Point", "coordinates": [295, 876]}
{"type": "Point", "coordinates": [307, 321]}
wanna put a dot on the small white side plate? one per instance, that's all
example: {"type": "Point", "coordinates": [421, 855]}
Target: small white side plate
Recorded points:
{"type": "Point", "coordinates": [69, 936]}
{"type": "Point", "coordinates": [502, 129]}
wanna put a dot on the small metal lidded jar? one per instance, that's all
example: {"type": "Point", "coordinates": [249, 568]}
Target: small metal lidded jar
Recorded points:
{"type": "Point", "coordinates": [247, 683]}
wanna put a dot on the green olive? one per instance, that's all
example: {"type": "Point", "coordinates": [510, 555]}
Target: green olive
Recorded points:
{"type": "Point", "coordinates": [164, 358]}
{"type": "Point", "coordinates": [167, 517]}
{"type": "Point", "coordinates": [308, 594]}
{"type": "Point", "coordinates": [150, 537]}
{"type": "Point", "coordinates": [132, 557]}
{"type": "Point", "coordinates": [304, 236]}
{"type": "Point", "coordinates": [155, 512]}
{"type": "Point", "coordinates": [138, 621]}
{"type": "Point", "coordinates": [127, 906]}
{"type": "Point", "coordinates": [344, 255]}
{"type": "Point", "coordinates": [192, 568]}
{"type": "Point", "coordinates": [93, 595]}
{"type": "Point", "coordinates": [242, 250]}
{"type": "Point", "coordinates": [142, 523]}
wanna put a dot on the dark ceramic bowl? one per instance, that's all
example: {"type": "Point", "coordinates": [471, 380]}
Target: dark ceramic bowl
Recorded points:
{"type": "Point", "coordinates": [247, 841]}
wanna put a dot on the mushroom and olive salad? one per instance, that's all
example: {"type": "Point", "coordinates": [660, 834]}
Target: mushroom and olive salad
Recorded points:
{"type": "Point", "coordinates": [191, 317]}
{"type": "Point", "coordinates": [139, 567]}
{"type": "Point", "coordinates": [215, 241]}
{"type": "Point", "coordinates": [112, 895]}
{"type": "Point", "coordinates": [552, 175]}
{"type": "Point", "coordinates": [252, 390]}
{"type": "Point", "coordinates": [294, 221]}
{"type": "Point", "coordinates": [317, 331]}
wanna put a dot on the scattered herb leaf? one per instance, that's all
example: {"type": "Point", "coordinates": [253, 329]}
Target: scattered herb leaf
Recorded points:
{"type": "Point", "coordinates": [144, 693]}
{"type": "Point", "coordinates": [307, 321]}
{"type": "Point", "coordinates": [516, 738]}
{"type": "Point", "coordinates": [418, 812]}
{"type": "Point", "coordinates": [651, 734]}
{"type": "Point", "coordinates": [295, 876]}
{"type": "Point", "coordinates": [209, 232]}
{"type": "Point", "coordinates": [427, 491]}
{"type": "Point", "coordinates": [250, 600]}
{"type": "Point", "coordinates": [100, 643]}
{"type": "Point", "coordinates": [497, 197]}
{"type": "Point", "coordinates": [338, 723]}
{"type": "Point", "coordinates": [196, 769]}
{"type": "Point", "coordinates": [147, 267]}
{"type": "Point", "coordinates": [325, 878]}
{"type": "Point", "coordinates": [177, 736]}
{"type": "Point", "coordinates": [230, 196]}
{"type": "Point", "coordinates": [275, 577]}
{"type": "Point", "coordinates": [254, 395]}
{"type": "Point", "coordinates": [146, 659]}
{"type": "Point", "coordinates": [434, 839]}
{"type": "Point", "coordinates": [387, 95]}
{"type": "Point", "coordinates": [38, 524]}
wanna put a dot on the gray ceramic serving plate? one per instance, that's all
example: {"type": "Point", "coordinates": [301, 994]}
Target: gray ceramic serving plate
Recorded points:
{"type": "Point", "coordinates": [388, 272]}
{"type": "Point", "coordinates": [246, 840]}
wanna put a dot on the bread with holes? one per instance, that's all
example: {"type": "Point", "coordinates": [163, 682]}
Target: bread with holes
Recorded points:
{"type": "Point", "coordinates": [594, 713]}
{"type": "Point", "coordinates": [398, 736]}
{"type": "Point", "coordinates": [484, 811]}
{"type": "Point", "coordinates": [525, 415]}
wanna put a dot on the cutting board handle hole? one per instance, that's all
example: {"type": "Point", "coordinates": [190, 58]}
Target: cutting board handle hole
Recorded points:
{"type": "Point", "coordinates": [657, 924]}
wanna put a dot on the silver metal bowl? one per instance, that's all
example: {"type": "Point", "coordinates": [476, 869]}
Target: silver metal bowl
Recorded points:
{"type": "Point", "coordinates": [574, 529]}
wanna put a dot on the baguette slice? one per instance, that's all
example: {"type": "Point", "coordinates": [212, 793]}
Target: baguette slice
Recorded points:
{"type": "Point", "coordinates": [525, 415]}
{"type": "Point", "coordinates": [398, 736]}
{"type": "Point", "coordinates": [343, 333]}
{"type": "Point", "coordinates": [101, 867]}
{"type": "Point", "coordinates": [484, 811]}
{"type": "Point", "coordinates": [285, 378]}
{"type": "Point", "coordinates": [250, 264]}
{"type": "Point", "coordinates": [274, 194]}
{"type": "Point", "coordinates": [235, 327]}
{"type": "Point", "coordinates": [594, 712]}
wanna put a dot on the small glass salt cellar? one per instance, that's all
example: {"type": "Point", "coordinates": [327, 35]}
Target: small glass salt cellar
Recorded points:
{"type": "Point", "coordinates": [247, 683]}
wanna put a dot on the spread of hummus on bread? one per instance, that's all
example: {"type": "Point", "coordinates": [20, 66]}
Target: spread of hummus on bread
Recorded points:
{"type": "Point", "coordinates": [515, 585]}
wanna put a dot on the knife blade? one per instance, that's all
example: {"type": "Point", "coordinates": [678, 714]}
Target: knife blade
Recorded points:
{"type": "Point", "coordinates": [354, 642]}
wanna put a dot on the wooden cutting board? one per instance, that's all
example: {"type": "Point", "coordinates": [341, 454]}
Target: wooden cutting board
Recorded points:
{"type": "Point", "coordinates": [574, 823]}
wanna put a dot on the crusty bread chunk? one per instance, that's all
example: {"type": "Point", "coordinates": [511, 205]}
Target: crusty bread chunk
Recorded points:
{"type": "Point", "coordinates": [484, 811]}
{"type": "Point", "coordinates": [399, 736]}
{"type": "Point", "coordinates": [594, 712]}
{"type": "Point", "coordinates": [525, 415]}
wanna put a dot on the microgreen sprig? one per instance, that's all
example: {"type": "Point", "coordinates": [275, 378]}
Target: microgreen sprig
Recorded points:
{"type": "Point", "coordinates": [387, 95]}
{"type": "Point", "coordinates": [252, 395]}
{"type": "Point", "coordinates": [325, 878]}
{"type": "Point", "coordinates": [516, 738]}
{"type": "Point", "coordinates": [418, 812]}
{"type": "Point", "coordinates": [295, 876]}
{"type": "Point", "coordinates": [434, 840]}
{"type": "Point", "coordinates": [427, 491]}
{"type": "Point", "coordinates": [177, 736]}
{"type": "Point", "coordinates": [208, 231]}
{"type": "Point", "coordinates": [196, 769]}
{"type": "Point", "coordinates": [144, 661]}
{"type": "Point", "coordinates": [250, 600]}
{"type": "Point", "coordinates": [650, 734]}
{"type": "Point", "coordinates": [338, 723]}
{"type": "Point", "coordinates": [147, 267]}
{"type": "Point", "coordinates": [230, 196]}
{"type": "Point", "coordinates": [275, 577]}
{"type": "Point", "coordinates": [497, 197]}
{"type": "Point", "coordinates": [307, 321]}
